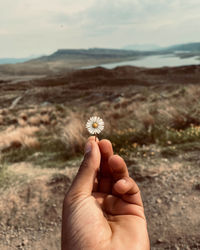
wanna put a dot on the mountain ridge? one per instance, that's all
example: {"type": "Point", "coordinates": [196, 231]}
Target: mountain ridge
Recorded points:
{"type": "Point", "coordinates": [99, 53]}
{"type": "Point", "coordinates": [67, 59]}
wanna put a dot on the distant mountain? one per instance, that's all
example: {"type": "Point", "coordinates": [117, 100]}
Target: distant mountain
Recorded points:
{"type": "Point", "coordinates": [101, 54]}
{"type": "Point", "coordinates": [191, 47]}
{"type": "Point", "coordinates": [93, 53]}
{"type": "Point", "coordinates": [67, 59]}
{"type": "Point", "coordinates": [142, 47]}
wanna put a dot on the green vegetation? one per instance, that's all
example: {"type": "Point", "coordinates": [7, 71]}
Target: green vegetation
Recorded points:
{"type": "Point", "coordinates": [53, 147]}
{"type": "Point", "coordinates": [52, 153]}
{"type": "Point", "coordinates": [5, 177]}
{"type": "Point", "coordinates": [171, 141]}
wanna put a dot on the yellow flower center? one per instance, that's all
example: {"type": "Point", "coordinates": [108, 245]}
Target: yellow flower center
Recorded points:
{"type": "Point", "coordinates": [94, 125]}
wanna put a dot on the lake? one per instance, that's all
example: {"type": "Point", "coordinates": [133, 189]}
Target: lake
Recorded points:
{"type": "Point", "coordinates": [153, 62]}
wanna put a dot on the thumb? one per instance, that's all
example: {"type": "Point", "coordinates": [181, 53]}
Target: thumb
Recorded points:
{"type": "Point", "coordinates": [84, 180]}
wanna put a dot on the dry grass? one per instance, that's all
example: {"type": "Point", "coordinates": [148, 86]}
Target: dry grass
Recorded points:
{"type": "Point", "coordinates": [35, 120]}
{"type": "Point", "coordinates": [16, 137]}
{"type": "Point", "coordinates": [45, 119]}
{"type": "Point", "coordinates": [30, 142]}
{"type": "Point", "coordinates": [146, 117]}
{"type": "Point", "coordinates": [1, 120]}
{"type": "Point", "coordinates": [22, 122]}
{"type": "Point", "coordinates": [177, 112]}
{"type": "Point", "coordinates": [23, 116]}
{"type": "Point", "coordinates": [73, 133]}
{"type": "Point", "coordinates": [55, 141]}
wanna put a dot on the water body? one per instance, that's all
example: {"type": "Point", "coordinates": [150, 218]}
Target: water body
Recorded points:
{"type": "Point", "coordinates": [154, 62]}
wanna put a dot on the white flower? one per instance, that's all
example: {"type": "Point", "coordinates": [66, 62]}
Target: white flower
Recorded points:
{"type": "Point", "coordinates": [95, 125]}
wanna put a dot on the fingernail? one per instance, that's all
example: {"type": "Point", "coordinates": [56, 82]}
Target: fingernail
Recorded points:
{"type": "Point", "coordinates": [88, 147]}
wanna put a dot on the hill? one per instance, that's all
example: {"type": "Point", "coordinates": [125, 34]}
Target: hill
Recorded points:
{"type": "Point", "coordinates": [187, 47]}
{"type": "Point", "coordinates": [83, 57]}
{"type": "Point", "coordinates": [66, 59]}
{"type": "Point", "coordinates": [142, 47]}
{"type": "Point", "coordinates": [190, 47]}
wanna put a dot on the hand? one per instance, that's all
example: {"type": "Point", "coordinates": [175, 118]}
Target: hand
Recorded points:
{"type": "Point", "coordinates": [103, 208]}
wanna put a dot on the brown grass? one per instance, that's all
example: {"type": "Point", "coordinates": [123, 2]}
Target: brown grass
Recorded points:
{"type": "Point", "coordinates": [141, 109]}
{"type": "Point", "coordinates": [73, 133]}
{"type": "Point", "coordinates": [17, 137]}
{"type": "Point", "coordinates": [22, 122]}
{"type": "Point", "coordinates": [23, 116]}
{"type": "Point", "coordinates": [30, 142]}
{"type": "Point", "coordinates": [45, 119]}
{"type": "Point", "coordinates": [1, 119]}
{"type": "Point", "coordinates": [35, 120]}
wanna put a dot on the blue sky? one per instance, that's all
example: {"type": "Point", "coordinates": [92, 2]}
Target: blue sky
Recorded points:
{"type": "Point", "coordinates": [35, 27]}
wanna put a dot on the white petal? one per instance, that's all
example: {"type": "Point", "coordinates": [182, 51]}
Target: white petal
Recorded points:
{"type": "Point", "coordinates": [100, 123]}
{"type": "Point", "coordinates": [88, 125]}
{"type": "Point", "coordinates": [91, 131]}
{"type": "Point", "coordinates": [92, 119]}
{"type": "Point", "coordinates": [98, 119]}
{"type": "Point", "coordinates": [98, 131]}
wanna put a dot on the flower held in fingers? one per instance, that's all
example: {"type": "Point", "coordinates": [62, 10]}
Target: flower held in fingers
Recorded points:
{"type": "Point", "coordinates": [95, 125]}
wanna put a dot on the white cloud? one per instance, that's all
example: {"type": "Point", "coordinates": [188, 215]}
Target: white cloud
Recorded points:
{"type": "Point", "coordinates": [36, 27]}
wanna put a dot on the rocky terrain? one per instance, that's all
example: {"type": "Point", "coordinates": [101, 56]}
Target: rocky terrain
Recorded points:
{"type": "Point", "coordinates": [152, 117]}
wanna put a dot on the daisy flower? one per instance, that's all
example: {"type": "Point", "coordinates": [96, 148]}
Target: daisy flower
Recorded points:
{"type": "Point", "coordinates": [95, 125]}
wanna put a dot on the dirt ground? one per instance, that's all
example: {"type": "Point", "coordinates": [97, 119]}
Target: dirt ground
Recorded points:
{"type": "Point", "coordinates": [31, 212]}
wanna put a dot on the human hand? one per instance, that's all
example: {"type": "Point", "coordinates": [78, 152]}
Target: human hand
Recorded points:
{"type": "Point", "coordinates": [103, 208]}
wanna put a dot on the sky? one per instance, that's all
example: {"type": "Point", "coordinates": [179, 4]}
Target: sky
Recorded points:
{"type": "Point", "coordinates": [38, 27]}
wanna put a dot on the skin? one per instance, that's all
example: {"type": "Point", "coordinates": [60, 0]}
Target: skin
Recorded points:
{"type": "Point", "coordinates": [103, 208]}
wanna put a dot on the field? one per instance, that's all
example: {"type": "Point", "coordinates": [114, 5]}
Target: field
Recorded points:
{"type": "Point", "coordinates": [152, 117]}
